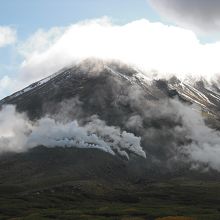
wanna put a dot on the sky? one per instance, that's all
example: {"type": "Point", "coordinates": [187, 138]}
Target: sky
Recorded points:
{"type": "Point", "coordinates": [40, 37]}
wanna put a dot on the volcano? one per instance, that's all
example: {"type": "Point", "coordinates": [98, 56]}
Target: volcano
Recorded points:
{"type": "Point", "coordinates": [104, 131]}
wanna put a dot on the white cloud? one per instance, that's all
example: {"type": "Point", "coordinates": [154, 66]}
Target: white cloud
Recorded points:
{"type": "Point", "coordinates": [199, 15]}
{"type": "Point", "coordinates": [9, 85]}
{"type": "Point", "coordinates": [204, 145]}
{"type": "Point", "coordinates": [13, 130]}
{"type": "Point", "coordinates": [4, 82]}
{"type": "Point", "coordinates": [40, 41]}
{"type": "Point", "coordinates": [167, 49]}
{"type": "Point", "coordinates": [6, 85]}
{"type": "Point", "coordinates": [7, 36]}
{"type": "Point", "coordinates": [18, 134]}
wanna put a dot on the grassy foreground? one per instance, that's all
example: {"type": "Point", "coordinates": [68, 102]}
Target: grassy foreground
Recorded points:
{"type": "Point", "coordinates": [170, 200]}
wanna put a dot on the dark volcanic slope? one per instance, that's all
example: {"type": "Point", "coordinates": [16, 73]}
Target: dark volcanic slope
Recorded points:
{"type": "Point", "coordinates": [101, 86]}
{"type": "Point", "coordinates": [60, 165]}
{"type": "Point", "coordinates": [100, 89]}
{"type": "Point", "coordinates": [123, 97]}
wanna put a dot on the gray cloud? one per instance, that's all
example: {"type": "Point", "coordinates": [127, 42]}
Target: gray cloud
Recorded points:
{"type": "Point", "coordinates": [200, 15]}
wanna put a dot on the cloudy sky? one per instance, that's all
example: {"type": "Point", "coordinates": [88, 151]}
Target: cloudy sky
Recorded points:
{"type": "Point", "coordinates": [39, 37]}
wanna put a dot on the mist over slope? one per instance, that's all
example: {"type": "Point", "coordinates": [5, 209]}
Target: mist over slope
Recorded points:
{"type": "Point", "coordinates": [116, 108]}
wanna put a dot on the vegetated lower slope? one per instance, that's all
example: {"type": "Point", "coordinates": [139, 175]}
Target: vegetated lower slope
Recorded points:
{"type": "Point", "coordinates": [72, 183]}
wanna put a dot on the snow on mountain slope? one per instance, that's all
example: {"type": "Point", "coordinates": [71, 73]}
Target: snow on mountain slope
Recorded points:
{"type": "Point", "coordinates": [189, 91]}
